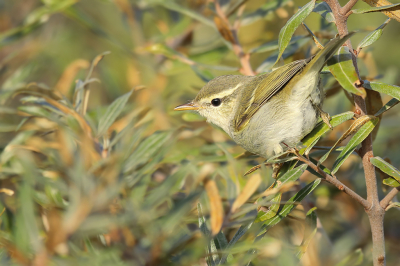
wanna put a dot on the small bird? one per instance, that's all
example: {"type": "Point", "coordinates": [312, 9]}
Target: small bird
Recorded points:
{"type": "Point", "coordinates": [268, 113]}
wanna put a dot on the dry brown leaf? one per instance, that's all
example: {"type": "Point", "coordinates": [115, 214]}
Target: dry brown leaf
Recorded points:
{"type": "Point", "coordinates": [391, 14]}
{"type": "Point", "coordinates": [64, 83]}
{"type": "Point", "coordinates": [224, 29]}
{"type": "Point", "coordinates": [216, 209]}
{"type": "Point", "coordinates": [248, 190]}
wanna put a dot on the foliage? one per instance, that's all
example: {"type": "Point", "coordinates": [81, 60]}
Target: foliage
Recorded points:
{"type": "Point", "coordinates": [101, 171]}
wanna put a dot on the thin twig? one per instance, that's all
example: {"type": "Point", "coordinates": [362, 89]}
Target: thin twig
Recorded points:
{"type": "Point", "coordinates": [388, 198]}
{"type": "Point", "coordinates": [334, 181]}
{"type": "Point", "coordinates": [346, 8]}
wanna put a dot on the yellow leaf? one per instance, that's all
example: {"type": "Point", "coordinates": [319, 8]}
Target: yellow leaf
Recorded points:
{"type": "Point", "coordinates": [248, 190]}
{"type": "Point", "coordinates": [216, 212]}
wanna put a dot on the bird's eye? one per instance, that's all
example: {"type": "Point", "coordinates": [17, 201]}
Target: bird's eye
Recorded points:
{"type": "Point", "coordinates": [216, 102]}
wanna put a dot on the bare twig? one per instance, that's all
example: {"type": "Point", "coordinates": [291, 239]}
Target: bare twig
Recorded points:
{"type": "Point", "coordinates": [375, 212]}
{"type": "Point", "coordinates": [386, 200]}
{"type": "Point", "coordinates": [244, 58]}
{"type": "Point", "coordinates": [330, 179]}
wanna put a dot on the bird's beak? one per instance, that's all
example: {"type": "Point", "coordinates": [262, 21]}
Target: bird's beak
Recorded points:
{"type": "Point", "coordinates": [187, 106]}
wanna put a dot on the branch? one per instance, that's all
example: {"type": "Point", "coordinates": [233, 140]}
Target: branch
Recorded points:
{"type": "Point", "coordinates": [330, 179]}
{"type": "Point", "coordinates": [229, 33]}
{"type": "Point", "coordinates": [375, 212]}
{"type": "Point", "coordinates": [386, 200]}
{"type": "Point", "coordinates": [346, 9]}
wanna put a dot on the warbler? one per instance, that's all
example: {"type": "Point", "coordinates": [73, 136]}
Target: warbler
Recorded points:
{"type": "Point", "coordinates": [268, 113]}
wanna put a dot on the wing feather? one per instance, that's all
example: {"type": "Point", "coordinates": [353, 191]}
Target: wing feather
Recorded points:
{"type": "Point", "coordinates": [266, 86]}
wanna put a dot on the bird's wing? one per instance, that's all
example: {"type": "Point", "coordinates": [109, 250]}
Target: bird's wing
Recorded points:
{"type": "Point", "coordinates": [269, 85]}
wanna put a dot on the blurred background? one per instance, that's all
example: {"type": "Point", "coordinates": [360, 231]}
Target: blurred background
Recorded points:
{"type": "Point", "coordinates": [165, 51]}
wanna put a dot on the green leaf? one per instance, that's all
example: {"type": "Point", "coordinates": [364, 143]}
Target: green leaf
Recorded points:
{"type": "Point", "coordinates": [373, 36]}
{"type": "Point", "coordinates": [321, 128]}
{"type": "Point", "coordinates": [342, 68]}
{"type": "Point", "coordinates": [171, 5]}
{"type": "Point", "coordinates": [325, 11]}
{"type": "Point", "coordinates": [211, 248]}
{"type": "Point", "coordinates": [146, 150]}
{"type": "Point", "coordinates": [390, 90]}
{"type": "Point", "coordinates": [112, 112]}
{"type": "Point", "coordinates": [285, 35]}
{"type": "Point", "coordinates": [292, 203]}
{"type": "Point", "coordinates": [393, 102]}
{"type": "Point", "coordinates": [354, 259]}
{"type": "Point", "coordinates": [386, 167]}
{"type": "Point", "coordinates": [239, 233]}
{"type": "Point", "coordinates": [273, 45]}
{"type": "Point", "coordinates": [204, 74]}
{"type": "Point", "coordinates": [268, 63]}
{"type": "Point", "coordinates": [263, 11]}
{"type": "Point", "coordinates": [309, 232]}
{"type": "Point", "coordinates": [272, 209]}
{"type": "Point", "coordinates": [376, 9]}
{"type": "Point", "coordinates": [361, 134]}
{"type": "Point", "coordinates": [391, 182]}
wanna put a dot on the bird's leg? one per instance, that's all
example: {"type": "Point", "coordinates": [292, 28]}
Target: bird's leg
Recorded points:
{"type": "Point", "coordinates": [276, 167]}
{"type": "Point", "coordinates": [324, 116]}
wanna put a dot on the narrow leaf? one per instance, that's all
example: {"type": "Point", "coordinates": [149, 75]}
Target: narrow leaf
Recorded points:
{"type": "Point", "coordinates": [321, 128]}
{"type": "Point", "coordinates": [216, 209]}
{"type": "Point", "coordinates": [251, 186]}
{"type": "Point", "coordinates": [292, 202]}
{"type": "Point", "coordinates": [390, 90]}
{"type": "Point", "coordinates": [350, 131]}
{"type": "Point", "coordinates": [373, 36]}
{"type": "Point", "coordinates": [361, 134]}
{"type": "Point", "coordinates": [386, 167]}
{"type": "Point", "coordinates": [342, 68]}
{"type": "Point", "coordinates": [309, 232]}
{"type": "Point", "coordinates": [376, 9]}
{"type": "Point", "coordinates": [285, 35]}
{"type": "Point", "coordinates": [391, 182]}
{"type": "Point", "coordinates": [112, 113]}
{"type": "Point", "coordinates": [393, 102]}
{"type": "Point", "coordinates": [271, 211]}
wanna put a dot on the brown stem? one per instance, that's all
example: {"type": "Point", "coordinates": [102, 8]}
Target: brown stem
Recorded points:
{"type": "Point", "coordinates": [386, 200]}
{"type": "Point", "coordinates": [244, 58]}
{"type": "Point", "coordinates": [335, 182]}
{"type": "Point", "coordinates": [375, 212]}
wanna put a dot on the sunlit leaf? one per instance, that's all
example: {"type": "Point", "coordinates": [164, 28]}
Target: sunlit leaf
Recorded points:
{"type": "Point", "coordinates": [361, 134]}
{"type": "Point", "coordinates": [285, 35]}
{"type": "Point", "coordinates": [251, 186]}
{"type": "Point", "coordinates": [216, 208]}
{"type": "Point", "coordinates": [393, 102]}
{"type": "Point", "coordinates": [390, 90]}
{"type": "Point", "coordinates": [391, 182]}
{"type": "Point", "coordinates": [373, 36]}
{"type": "Point", "coordinates": [342, 68]}
{"type": "Point", "coordinates": [321, 128]}
{"type": "Point", "coordinates": [386, 167]}
{"type": "Point", "coordinates": [271, 211]}
{"type": "Point", "coordinates": [376, 9]}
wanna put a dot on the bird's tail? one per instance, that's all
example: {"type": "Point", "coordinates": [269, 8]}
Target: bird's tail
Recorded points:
{"type": "Point", "coordinates": [320, 59]}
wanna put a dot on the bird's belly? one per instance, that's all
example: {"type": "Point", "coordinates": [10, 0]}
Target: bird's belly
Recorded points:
{"type": "Point", "coordinates": [271, 128]}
